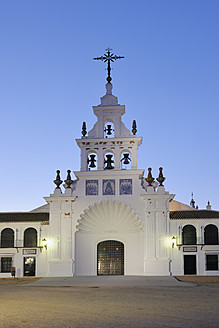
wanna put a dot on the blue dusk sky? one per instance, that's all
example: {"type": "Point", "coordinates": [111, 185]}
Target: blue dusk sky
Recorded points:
{"type": "Point", "coordinates": [49, 82]}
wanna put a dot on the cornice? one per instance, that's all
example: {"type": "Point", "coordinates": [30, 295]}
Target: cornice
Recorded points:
{"type": "Point", "coordinates": [108, 141]}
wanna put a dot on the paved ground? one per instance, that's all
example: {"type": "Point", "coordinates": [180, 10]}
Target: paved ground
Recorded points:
{"type": "Point", "coordinates": [114, 302]}
{"type": "Point", "coordinates": [109, 281]}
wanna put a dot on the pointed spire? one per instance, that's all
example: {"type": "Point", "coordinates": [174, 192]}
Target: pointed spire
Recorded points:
{"type": "Point", "coordinates": [149, 179]}
{"type": "Point", "coordinates": [68, 180]}
{"type": "Point", "coordinates": [58, 180]}
{"type": "Point", "coordinates": [84, 129]}
{"type": "Point", "coordinates": [134, 127]}
{"type": "Point", "coordinates": [161, 178]}
{"type": "Point", "coordinates": [192, 202]}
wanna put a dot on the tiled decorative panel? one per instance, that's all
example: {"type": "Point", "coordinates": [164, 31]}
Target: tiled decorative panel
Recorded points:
{"type": "Point", "coordinates": [109, 187]}
{"type": "Point", "coordinates": [91, 187]}
{"type": "Point", "coordinates": [125, 186]}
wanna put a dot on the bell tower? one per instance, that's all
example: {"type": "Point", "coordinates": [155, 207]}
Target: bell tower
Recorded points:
{"type": "Point", "coordinates": [109, 145]}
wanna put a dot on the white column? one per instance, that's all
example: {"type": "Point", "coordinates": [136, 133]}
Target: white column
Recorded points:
{"type": "Point", "coordinates": [117, 127]}
{"type": "Point", "coordinates": [100, 159]}
{"type": "Point", "coordinates": [156, 235]}
{"type": "Point", "coordinates": [202, 233]}
{"type": "Point", "coordinates": [117, 158]}
{"type": "Point", "coordinates": [134, 158]}
{"type": "Point", "coordinates": [100, 128]}
{"type": "Point", "coordinates": [16, 240]}
{"type": "Point", "coordinates": [83, 159]}
{"type": "Point", "coordinates": [180, 234]}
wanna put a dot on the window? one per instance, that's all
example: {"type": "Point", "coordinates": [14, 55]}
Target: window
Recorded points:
{"type": "Point", "coordinates": [6, 263]}
{"type": "Point", "coordinates": [30, 237]}
{"type": "Point", "coordinates": [211, 235]}
{"type": "Point", "coordinates": [7, 238]}
{"type": "Point", "coordinates": [212, 262]}
{"type": "Point", "coordinates": [189, 235]}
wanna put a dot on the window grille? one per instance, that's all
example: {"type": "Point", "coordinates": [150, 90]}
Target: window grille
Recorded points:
{"type": "Point", "coordinates": [211, 235]}
{"type": "Point", "coordinates": [7, 238]}
{"type": "Point", "coordinates": [189, 235]}
{"type": "Point", "coordinates": [6, 264]}
{"type": "Point", "coordinates": [212, 262]}
{"type": "Point", "coordinates": [30, 237]}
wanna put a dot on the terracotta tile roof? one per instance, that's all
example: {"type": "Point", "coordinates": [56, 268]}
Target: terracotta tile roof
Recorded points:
{"type": "Point", "coordinates": [194, 214]}
{"type": "Point", "coordinates": [23, 217]}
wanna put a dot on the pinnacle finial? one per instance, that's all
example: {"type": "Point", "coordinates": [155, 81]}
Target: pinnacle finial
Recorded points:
{"type": "Point", "coordinates": [84, 129]}
{"type": "Point", "coordinates": [58, 180]}
{"type": "Point", "coordinates": [192, 203]}
{"type": "Point", "coordinates": [134, 127]}
{"type": "Point", "coordinates": [68, 180]}
{"type": "Point", "coordinates": [108, 57]}
{"type": "Point", "coordinates": [208, 207]}
{"type": "Point", "coordinates": [161, 178]}
{"type": "Point", "coordinates": [149, 179]}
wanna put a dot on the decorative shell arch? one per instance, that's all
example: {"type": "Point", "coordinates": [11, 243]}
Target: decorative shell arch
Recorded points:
{"type": "Point", "coordinates": [109, 217]}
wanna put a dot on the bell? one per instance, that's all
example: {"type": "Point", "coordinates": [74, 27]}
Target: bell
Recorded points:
{"type": "Point", "coordinates": [126, 159]}
{"type": "Point", "coordinates": [92, 161]}
{"type": "Point", "coordinates": [108, 130]}
{"type": "Point", "coordinates": [109, 161]}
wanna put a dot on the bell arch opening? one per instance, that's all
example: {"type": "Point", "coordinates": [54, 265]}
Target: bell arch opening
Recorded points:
{"type": "Point", "coordinates": [125, 160]}
{"type": "Point", "coordinates": [110, 258]}
{"type": "Point", "coordinates": [109, 129]}
{"type": "Point", "coordinates": [92, 161]}
{"type": "Point", "coordinates": [109, 162]}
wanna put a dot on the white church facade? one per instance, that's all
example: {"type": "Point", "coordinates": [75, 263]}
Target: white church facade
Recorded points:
{"type": "Point", "coordinates": [110, 220]}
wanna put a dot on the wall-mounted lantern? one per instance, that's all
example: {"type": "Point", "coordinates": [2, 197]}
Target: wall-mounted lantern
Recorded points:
{"type": "Point", "coordinates": [173, 241]}
{"type": "Point", "coordinates": [44, 243]}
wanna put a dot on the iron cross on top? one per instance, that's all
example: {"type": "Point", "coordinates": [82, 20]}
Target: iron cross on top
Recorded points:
{"type": "Point", "coordinates": [108, 57]}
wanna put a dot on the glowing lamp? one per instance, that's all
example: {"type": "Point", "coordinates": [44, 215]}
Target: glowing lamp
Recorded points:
{"type": "Point", "coordinates": [173, 242]}
{"type": "Point", "coordinates": [44, 243]}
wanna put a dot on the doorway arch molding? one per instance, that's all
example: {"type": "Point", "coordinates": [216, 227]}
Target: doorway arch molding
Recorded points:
{"type": "Point", "coordinates": [109, 217]}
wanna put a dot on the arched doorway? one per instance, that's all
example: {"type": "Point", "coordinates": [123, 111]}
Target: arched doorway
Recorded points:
{"type": "Point", "coordinates": [110, 258]}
